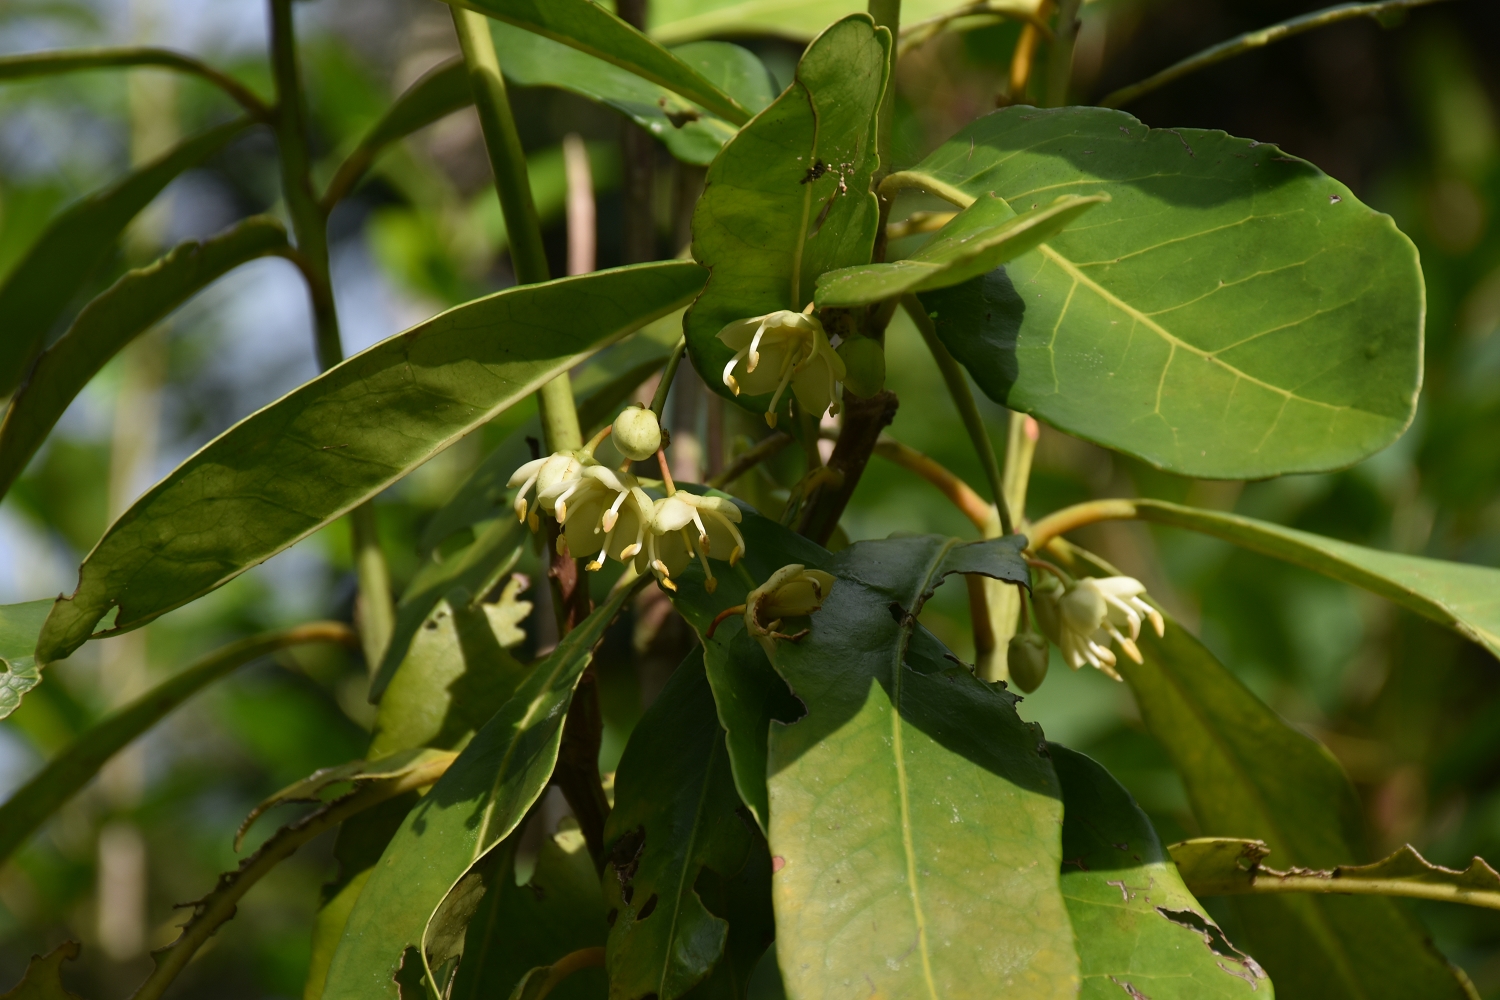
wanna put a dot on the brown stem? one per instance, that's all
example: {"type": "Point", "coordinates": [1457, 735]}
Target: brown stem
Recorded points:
{"type": "Point", "coordinates": [721, 617]}
{"type": "Point", "coordinates": [577, 770]}
{"type": "Point", "coordinates": [583, 958]}
{"type": "Point", "coordinates": [762, 452]}
{"type": "Point", "coordinates": [864, 419]}
{"type": "Point", "coordinates": [1078, 516]}
{"type": "Point", "coordinates": [983, 515]}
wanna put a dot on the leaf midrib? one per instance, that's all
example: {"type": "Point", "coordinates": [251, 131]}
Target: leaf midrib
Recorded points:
{"type": "Point", "coordinates": [687, 863]}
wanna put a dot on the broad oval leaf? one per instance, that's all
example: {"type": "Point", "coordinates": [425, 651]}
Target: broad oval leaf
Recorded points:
{"type": "Point", "coordinates": [976, 241]}
{"type": "Point", "coordinates": [799, 20]}
{"type": "Point", "coordinates": [282, 473]}
{"type": "Point", "coordinates": [1140, 932]}
{"type": "Point", "coordinates": [789, 197]}
{"type": "Point", "coordinates": [589, 28]}
{"type": "Point", "coordinates": [675, 823]}
{"type": "Point", "coordinates": [117, 316]}
{"type": "Point", "coordinates": [20, 624]}
{"type": "Point", "coordinates": [1249, 774]}
{"type": "Point", "coordinates": [479, 801]}
{"type": "Point", "coordinates": [690, 133]}
{"type": "Point", "coordinates": [78, 241]}
{"type": "Point", "coordinates": [1233, 312]}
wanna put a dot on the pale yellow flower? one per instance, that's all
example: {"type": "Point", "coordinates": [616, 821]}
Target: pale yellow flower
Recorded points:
{"type": "Point", "coordinates": [543, 473]}
{"type": "Point", "coordinates": [781, 349]}
{"type": "Point", "coordinates": [685, 525]}
{"type": "Point", "coordinates": [793, 591]}
{"type": "Point", "coordinates": [1084, 617]}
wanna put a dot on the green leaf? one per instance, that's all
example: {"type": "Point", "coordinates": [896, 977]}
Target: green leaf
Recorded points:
{"type": "Point", "coordinates": [599, 387]}
{"type": "Point", "coordinates": [33, 64]}
{"type": "Point", "coordinates": [441, 91]}
{"type": "Point", "coordinates": [1222, 866]}
{"type": "Point", "coordinates": [1140, 932]}
{"type": "Point", "coordinates": [978, 240]}
{"type": "Point", "coordinates": [336, 441]}
{"type": "Point", "coordinates": [1464, 597]}
{"type": "Point", "coordinates": [73, 767]}
{"type": "Point", "coordinates": [1249, 774]}
{"type": "Point", "coordinates": [690, 133]}
{"type": "Point", "coordinates": [453, 678]}
{"type": "Point", "coordinates": [43, 978]}
{"type": "Point", "coordinates": [520, 928]}
{"type": "Point", "coordinates": [675, 21]}
{"type": "Point", "coordinates": [675, 818]}
{"type": "Point", "coordinates": [475, 805]}
{"type": "Point", "coordinates": [56, 268]}
{"type": "Point", "coordinates": [790, 198]}
{"type": "Point", "coordinates": [20, 624]}
{"type": "Point", "coordinates": [117, 316]}
{"type": "Point", "coordinates": [472, 573]}
{"type": "Point", "coordinates": [591, 29]}
{"type": "Point", "coordinates": [1232, 312]}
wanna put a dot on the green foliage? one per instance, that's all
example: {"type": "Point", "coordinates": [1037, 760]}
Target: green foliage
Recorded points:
{"type": "Point", "coordinates": [20, 624]}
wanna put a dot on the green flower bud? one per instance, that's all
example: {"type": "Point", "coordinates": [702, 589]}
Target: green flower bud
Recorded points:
{"type": "Point", "coordinates": [1027, 659]}
{"type": "Point", "coordinates": [864, 366]}
{"type": "Point", "coordinates": [637, 433]}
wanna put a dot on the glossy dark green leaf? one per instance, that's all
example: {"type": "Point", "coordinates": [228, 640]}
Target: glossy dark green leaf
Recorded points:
{"type": "Point", "coordinates": [599, 387]}
{"type": "Point", "coordinates": [591, 29]}
{"type": "Point", "coordinates": [675, 21]}
{"type": "Point", "coordinates": [476, 804]}
{"type": "Point", "coordinates": [518, 928]}
{"type": "Point", "coordinates": [1140, 932]}
{"type": "Point", "coordinates": [1248, 774]}
{"type": "Point", "coordinates": [1232, 312]}
{"type": "Point", "coordinates": [790, 198]}
{"type": "Point", "coordinates": [676, 816]}
{"type": "Point", "coordinates": [690, 133]}
{"type": "Point", "coordinates": [56, 268]}
{"type": "Point", "coordinates": [1462, 596]}
{"type": "Point", "coordinates": [20, 624]}
{"type": "Point", "coordinates": [979, 239]}
{"type": "Point", "coordinates": [331, 444]}
{"type": "Point", "coordinates": [117, 316]}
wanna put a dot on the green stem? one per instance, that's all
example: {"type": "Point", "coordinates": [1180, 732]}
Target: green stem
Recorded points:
{"type": "Point", "coordinates": [513, 186]}
{"type": "Point", "coordinates": [310, 226]}
{"type": "Point", "coordinates": [659, 399]}
{"type": "Point", "coordinates": [887, 13]}
{"type": "Point", "coordinates": [1060, 59]}
{"type": "Point", "coordinates": [1258, 39]}
{"type": "Point", "coordinates": [968, 411]}
{"type": "Point", "coordinates": [1020, 447]}
{"type": "Point", "coordinates": [71, 769]}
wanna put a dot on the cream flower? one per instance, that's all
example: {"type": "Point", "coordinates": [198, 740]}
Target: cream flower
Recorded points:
{"type": "Point", "coordinates": [543, 473]}
{"type": "Point", "coordinates": [1084, 617]}
{"type": "Point", "coordinates": [591, 507]}
{"type": "Point", "coordinates": [780, 349]}
{"type": "Point", "coordinates": [793, 591]}
{"type": "Point", "coordinates": [684, 525]}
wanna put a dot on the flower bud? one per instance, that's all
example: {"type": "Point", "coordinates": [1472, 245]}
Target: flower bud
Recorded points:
{"type": "Point", "coordinates": [792, 591]}
{"type": "Point", "coordinates": [637, 434]}
{"type": "Point", "coordinates": [1027, 659]}
{"type": "Point", "coordinates": [864, 366]}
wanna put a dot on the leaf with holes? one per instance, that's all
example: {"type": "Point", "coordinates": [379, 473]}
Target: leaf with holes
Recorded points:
{"type": "Point", "coordinates": [1139, 929]}
{"type": "Point", "coordinates": [790, 198]}
{"type": "Point", "coordinates": [20, 624]}
{"type": "Point", "coordinates": [1232, 312]}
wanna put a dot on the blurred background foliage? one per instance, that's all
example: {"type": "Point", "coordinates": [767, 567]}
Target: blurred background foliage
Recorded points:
{"type": "Point", "coordinates": [1407, 118]}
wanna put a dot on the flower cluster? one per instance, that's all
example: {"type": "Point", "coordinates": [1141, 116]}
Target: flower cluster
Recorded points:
{"type": "Point", "coordinates": [1084, 616]}
{"type": "Point", "coordinates": [606, 514]}
{"type": "Point", "coordinates": [780, 349]}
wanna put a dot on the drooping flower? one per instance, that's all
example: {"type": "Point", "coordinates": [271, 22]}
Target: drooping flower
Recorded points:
{"type": "Point", "coordinates": [543, 473]}
{"type": "Point", "coordinates": [1084, 616]}
{"type": "Point", "coordinates": [593, 506]}
{"type": "Point", "coordinates": [684, 525]}
{"type": "Point", "coordinates": [780, 349]}
{"type": "Point", "coordinates": [793, 591]}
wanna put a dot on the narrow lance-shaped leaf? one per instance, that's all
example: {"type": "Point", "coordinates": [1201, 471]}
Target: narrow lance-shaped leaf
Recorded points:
{"type": "Point", "coordinates": [976, 241]}
{"type": "Point", "coordinates": [1140, 932]}
{"type": "Point", "coordinates": [690, 133]}
{"type": "Point", "coordinates": [282, 473]}
{"type": "Point", "coordinates": [20, 624]}
{"type": "Point", "coordinates": [1232, 312]}
{"type": "Point", "coordinates": [111, 321]}
{"type": "Point", "coordinates": [590, 28]}
{"type": "Point", "coordinates": [674, 21]}
{"type": "Point", "coordinates": [477, 803]}
{"type": "Point", "coordinates": [790, 198]}
{"type": "Point", "coordinates": [1249, 774]}
{"type": "Point", "coordinates": [26, 65]}
{"type": "Point", "coordinates": [78, 241]}
{"type": "Point", "coordinates": [675, 818]}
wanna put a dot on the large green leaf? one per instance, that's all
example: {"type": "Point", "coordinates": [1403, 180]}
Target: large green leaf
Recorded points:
{"type": "Point", "coordinates": [591, 29]}
{"type": "Point", "coordinates": [1248, 774]}
{"type": "Point", "coordinates": [111, 321]}
{"type": "Point", "coordinates": [692, 134]}
{"type": "Point", "coordinates": [599, 387]}
{"type": "Point", "coordinates": [517, 928]}
{"type": "Point", "coordinates": [683, 20]}
{"type": "Point", "coordinates": [976, 241]}
{"type": "Point", "coordinates": [1140, 932]}
{"type": "Point", "coordinates": [1464, 597]}
{"type": "Point", "coordinates": [675, 818]}
{"type": "Point", "coordinates": [20, 624]}
{"type": "Point", "coordinates": [1232, 312]}
{"type": "Point", "coordinates": [282, 473]}
{"type": "Point", "coordinates": [476, 804]}
{"type": "Point", "coordinates": [790, 198]}
{"type": "Point", "coordinates": [56, 268]}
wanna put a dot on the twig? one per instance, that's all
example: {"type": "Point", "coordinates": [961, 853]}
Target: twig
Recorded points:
{"type": "Point", "coordinates": [962, 495]}
{"type": "Point", "coordinates": [1075, 517]}
{"type": "Point", "coordinates": [1258, 39]}
{"type": "Point", "coordinates": [664, 384]}
{"type": "Point", "coordinates": [763, 451]}
{"type": "Point", "coordinates": [923, 31]}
